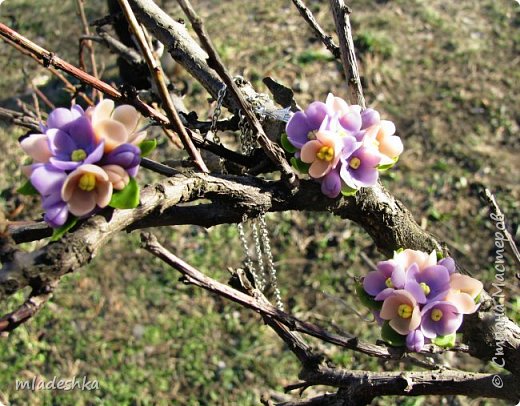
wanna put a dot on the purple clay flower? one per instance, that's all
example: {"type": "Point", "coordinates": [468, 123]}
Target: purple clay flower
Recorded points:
{"type": "Point", "coordinates": [303, 123]}
{"type": "Point", "coordinates": [61, 116]}
{"type": "Point", "coordinates": [127, 156]}
{"type": "Point", "coordinates": [415, 340]}
{"type": "Point", "coordinates": [448, 263]}
{"type": "Point", "coordinates": [360, 168]}
{"type": "Point", "coordinates": [440, 319]}
{"type": "Point", "coordinates": [74, 144]}
{"type": "Point", "coordinates": [48, 181]}
{"type": "Point", "coordinates": [369, 117]}
{"type": "Point", "coordinates": [382, 283]}
{"type": "Point", "coordinates": [56, 210]}
{"type": "Point", "coordinates": [331, 184]}
{"type": "Point", "coordinates": [428, 284]}
{"type": "Point", "coordinates": [349, 117]}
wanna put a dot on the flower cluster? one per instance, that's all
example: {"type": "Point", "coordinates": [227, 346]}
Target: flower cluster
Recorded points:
{"type": "Point", "coordinates": [82, 159]}
{"type": "Point", "coordinates": [418, 299]}
{"type": "Point", "coordinates": [341, 146]}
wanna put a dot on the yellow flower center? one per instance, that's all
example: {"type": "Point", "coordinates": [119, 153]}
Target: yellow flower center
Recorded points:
{"type": "Point", "coordinates": [355, 163]}
{"type": "Point", "coordinates": [436, 314]}
{"type": "Point", "coordinates": [389, 283]}
{"type": "Point", "coordinates": [87, 182]}
{"type": "Point", "coordinates": [326, 153]}
{"type": "Point", "coordinates": [78, 155]}
{"type": "Point", "coordinates": [405, 311]}
{"type": "Point", "coordinates": [426, 289]}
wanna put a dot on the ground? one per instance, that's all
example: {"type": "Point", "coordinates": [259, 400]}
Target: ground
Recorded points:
{"type": "Point", "coordinates": [445, 72]}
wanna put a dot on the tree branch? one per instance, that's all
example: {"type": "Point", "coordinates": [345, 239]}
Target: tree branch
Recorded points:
{"type": "Point", "coordinates": [36, 300]}
{"type": "Point", "coordinates": [318, 31]}
{"type": "Point", "coordinates": [346, 45]}
{"type": "Point", "coordinates": [197, 278]}
{"type": "Point", "coordinates": [361, 387]}
{"type": "Point", "coordinates": [158, 76]}
{"type": "Point", "coordinates": [273, 151]}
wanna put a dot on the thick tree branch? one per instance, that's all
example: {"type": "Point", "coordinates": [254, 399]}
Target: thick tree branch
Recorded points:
{"type": "Point", "coordinates": [363, 386]}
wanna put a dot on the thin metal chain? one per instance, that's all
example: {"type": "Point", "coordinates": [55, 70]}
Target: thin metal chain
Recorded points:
{"type": "Point", "coordinates": [247, 141]}
{"type": "Point", "coordinates": [248, 262]}
{"type": "Point", "coordinates": [259, 256]}
{"type": "Point", "coordinates": [216, 113]}
{"type": "Point", "coordinates": [270, 263]}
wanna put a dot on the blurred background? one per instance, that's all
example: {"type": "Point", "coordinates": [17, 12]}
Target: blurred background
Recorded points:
{"type": "Point", "coordinates": [445, 72]}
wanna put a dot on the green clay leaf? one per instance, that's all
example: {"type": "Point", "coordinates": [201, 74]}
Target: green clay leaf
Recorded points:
{"type": "Point", "coordinates": [127, 198]}
{"type": "Point", "coordinates": [60, 231]}
{"type": "Point", "coordinates": [391, 336]}
{"type": "Point", "coordinates": [147, 147]}
{"type": "Point", "coordinates": [445, 341]}
{"type": "Point", "coordinates": [440, 255]}
{"type": "Point", "coordinates": [366, 299]}
{"type": "Point", "coordinates": [348, 191]}
{"type": "Point", "coordinates": [27, 189]}
{"type": "Point", "coordinates": [299, 165]}
{"type": "Point", "coordinates": [286, 144]}
{"type": "Point", "coordinates": [383, 168]}
{"type": "Point", "coordinates": [399, 250]}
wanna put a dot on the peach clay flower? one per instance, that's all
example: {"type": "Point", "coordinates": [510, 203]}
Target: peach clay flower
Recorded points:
{"type": "Point", "coordinates": [464, 290]}
{"type": "Point", "coordinates": [115, 126]}
{"type": "Point", "coordinates": [322, 153]}
{"type": "Point", "coordinates": [86, 188]}
{"type": "Point", "coordinates": [382, 136]}
{"type": "Point", "coordinates": [402, 310]}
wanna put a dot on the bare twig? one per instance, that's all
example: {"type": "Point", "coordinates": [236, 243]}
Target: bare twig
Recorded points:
{"type": "Point", "coordinates": [36, 300]}
{"type": "Point", "coordinates": [500, 218]}
{"type": "Point", "coordinates": [68, 86]}
{"type": "Point", "coordinates": [197, 278]}
{"type": "Point", "coordinates": [88, 44]}
{"type": "Point", "coordinates": [307, 357]}
{"type": "Point", "coordinates": [116, 46]}
{"type": "Point", "coordinates": [273, 151]}
{"type": "Point", "coordinates": [20, 119]}
{"type": "Point", "coordinates": [40, 94]}
{"type": "Point", "coordinates": [158, 76]}
{"type": "Point", "coordinates": [318, 31]}
{"type": "Point", "coordinates": [346, 45]}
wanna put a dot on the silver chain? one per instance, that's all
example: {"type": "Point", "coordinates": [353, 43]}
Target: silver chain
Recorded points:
{"type": "Point", "coordinates": [259, 256]}
{"type": "Point", "coordinates": [259, 227]}
{"type": "Point", "coordinates": [216, 113]}
{"type": "Point", "coordinates": [247, 140]}
{"type": "Point", "coordinates": [270, 263]}
{"type": "Point", "coordinates": [248, 261]}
